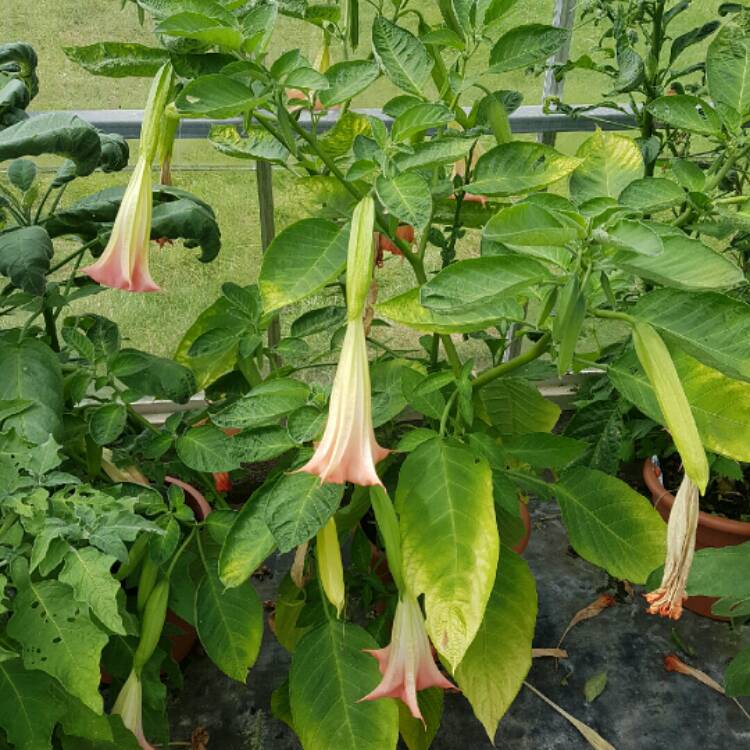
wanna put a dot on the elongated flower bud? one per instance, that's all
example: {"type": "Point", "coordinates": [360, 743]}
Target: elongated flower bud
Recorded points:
{"type": "Point", "coordinates": [167, 135]}
{"type": "Point", "coordinates": [406, 663]}
{"type": "Point", "coordinates": [681, 529]}
{"type": "Point", "coordinates": [330, 567]}
{"type": "Point", "coordinates": [129, 707]}
{"type": "Point", "coordinates": [124, 262]}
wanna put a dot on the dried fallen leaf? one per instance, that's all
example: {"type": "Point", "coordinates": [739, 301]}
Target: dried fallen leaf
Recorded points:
{"type": "Point", "coordinates": [594, 686]}
{"type": "Point", "coordinates": [199, 739]}
{"type": "Point", "coordinates": [555, 653]}
{"type": "Point", "coordinates": [590, 735]}
{"type": "Point", "coordinates": [590, 610]}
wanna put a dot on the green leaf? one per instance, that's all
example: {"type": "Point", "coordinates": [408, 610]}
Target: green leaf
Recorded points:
{"type": "Point", "coordinates": [514, 407]}
{"type": "Point", "coordinates": [29, 370]}
{"type": "Point", "coordinates": [652, 194]}
{"type": "Point", "coordinates": [216, 95]}
{"type": "Point", "coordinates": [118, 59]}
{"type": "Point", "coordinates": [264, 405]}
{"type": "Point", "coordinates": [737, 675]}
{"type": "Point", "coordinates": [600, 426]}
{"type": "Point", "coordinates": [684, 263]}
{"type": "Point", "coordinates": [32, 705]}
{"type": "Point", "coordinates": [207, 448]}
{"type": "Point", "coordinates": [728, 67]}
{"type": "Point", "coordinates": [248, 543]}
{"type": "Point", "coordinates": [711, 327]}
{"type": "Point", "coordinates": [261, 444]}
{"type": "Point", "coordinates": [444, 499]}
{"type": "Point", "coordinates": [307, 79]}
{"type": "Point", "coordinates": [610, 163]}
{"type": "Point", "coordinates": [302, 260]}
{"type": "Point", "coordinates": [25, 254]}
{"type": "Point", "coordinates": [154, 376]}
{"type": "Point", "coordinates": [256, 143]}
{"type": "Point", "coordinates": [88, 572]}
{"type": "Point", "coordinates": [543, 450]}
{"type": "Point", "coordinates": [689, 38]}
{"type": "Point", "coordinates": [635, 237]}
{"type": "Point", "coordinates": [229, 623]}
{"type": "Point", "coordinates": [202, 28]}
{"type": "Point", "coordinates": [297, 506]}
{"type": "Point", "coordinates": [418, 736]}
{"type": "Point", "coordinates": [526, 45]}
{"type": "Point", "coordinates": [22, 173]}
{"type": "Point", "coordinates": [686, 113]}
{"type": "Point", "coordinates": [527, 224]}
{"type": "Point", "coordinates": [407, 197]}
{"type": "Point", "coordinates": [188, 220]}
{"type": "Point", "coordinates": [407, 309]}
{"type": "Point", "coordinates": [594, 686]}
{"type": "Point", "coordinates": [444, 150]}
{"type": "Point", "coordinates": [402, 56]}
{"type": "Point", "coordinates": [496, 664]}
{"type": "Point", "coordinates": [519, 167]}
{"type": "Point", "coordinates": [107, 422]}
{"type": "Point", "coordinates": [720, 405]}
{"type": "Point", "coordinates": [327, 713]}
{"type": "Point", "coordinates": [58, 637]}
{"type": "Point", "coordinates": [58, 133]}
{"type": "Point", "coordinates": [347, 79]}
{"type": "Point", "coordinates": [610, 524]}
{"type": "Point", "coordinates": [474, 282]}
{"type": "Point", "coordinates": [318, 320]}
{"type": "Point", "coordinates": [418, 119]}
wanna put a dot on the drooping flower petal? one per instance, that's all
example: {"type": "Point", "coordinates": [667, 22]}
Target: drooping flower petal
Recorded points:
{"type": "Point", "coordinates": [683, 522]}
{"type": "Point", "coordinates": [349, 451]}
{"type": "Point", "coordinates": [129, 707]}
{"type": "Point", "coordinates": [406, 663]}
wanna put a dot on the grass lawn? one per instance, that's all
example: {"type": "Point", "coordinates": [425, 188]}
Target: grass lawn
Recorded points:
{"type": "Point", "coordinates": [156, 321]}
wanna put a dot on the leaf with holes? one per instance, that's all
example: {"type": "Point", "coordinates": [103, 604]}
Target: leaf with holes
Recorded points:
{"type": "Point", "coordinates": [686, 113]}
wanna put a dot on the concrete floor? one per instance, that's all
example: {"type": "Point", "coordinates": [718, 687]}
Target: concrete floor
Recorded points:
{"type": "Point", "coordinates": [642, 708]}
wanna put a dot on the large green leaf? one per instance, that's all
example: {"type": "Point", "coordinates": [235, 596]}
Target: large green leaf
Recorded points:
{"type": "Point", "coordinates": [88, 572]}
{"type": "Point", "coordinates": [610, 163]}
{"type": "Point", "coordinates": [154, 376]}
{"type": "Point", "coordinates": [610, 524]}
{"type": "Point", "coordinates": [403, 57]}
{"type": "Point", "coordinates": [652, 194]}
{"type": "Point", "coordinates": [444, 499]}
{"type": "Point", "coordinates": [58, 133]}
{"type": "Point", "coordinates": [32, 705]}
{"type": "Point", "coordinates": [477, 281]}
{"type": "Point", "coordinates": [514, 407]}
{"type": "Point", "coordinates": [418, 119]}
{"type": "Point", "coordinates": [494, 668]}
{"type": "Point", "coordinates": [737, 676]}
{"type": "Point", "coordinates": [519, 167]}
{"type": "Point", "coordinates": [526, 45]}
{"type": "Point", "coordinates": [202, 28]}
{"type": "Point", "coordinates": [30, 371]}
{"type": "Point", "coordinates": [710, 326]}
{"type": "Point", "coordinates": [229, 622]}
{"type": "Point", "coordinates": [106, 422]}
{"type": "Point", "coordinates": [248, 543]}
{"type": "Point", "coordinates": [407, 309]}
{"type": "Point", "coordinates": [215, 95]}
{"type": "Point", "coordinates": [720, 405]}
{"type": "Point", "coordinates": [527, 224]}
{"type": "Point", "coordinates": [684, 263]}
{"type": "Point", "coordinates": [264, 405]}
{"type": "Point", "coordinates": [188, 220]}
{"type": "Point", "coordinates": [406, 196]}
{"type": "Point", "coordinates": [256, 143]}
{"type": "Point", "coordinates": [301, 260]}
{"type": "Point", "coordinates": [347, 79]}
{"type": "Point", "coordinates": [297, 506]}
{"type": "Point", "coordinates": [687, 113]}
{"type": "Point", "coordinates": [25, 254]}
{"type": "Point", "coordinates": [207, 448]}
{"type": "Point", "coordinates": [330, 674]}
{"type": "Point", "coordinates": [118, 59]}
{"type": "Point", "coordinates": [728, 67]}
{"type": "Point", "coordinates": [57, 636]}
{"type": "Point", "coordinates": [415, 734]}
{"type": "Point", "coordinates": [444, 150]}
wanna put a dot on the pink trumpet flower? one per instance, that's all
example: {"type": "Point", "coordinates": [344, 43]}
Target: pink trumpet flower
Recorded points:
{"type": "Point", "coordinates": [124, 262]}
{"type": "Point", "coordinates": [349, 451]}
{"type": "Point", "coordinates": [129, 707]}
{"type": "Point", "coordinates": [406, 663]}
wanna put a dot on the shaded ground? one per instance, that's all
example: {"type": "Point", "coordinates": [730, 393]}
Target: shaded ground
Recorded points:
{"type": "Point", "coordinates": [642, 708]}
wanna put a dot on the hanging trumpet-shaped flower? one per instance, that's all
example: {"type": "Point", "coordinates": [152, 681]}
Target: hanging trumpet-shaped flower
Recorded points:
{"type": "Point", "coordinates": [683, 523]}
{"type": "Point", "coordinates": [129, 707]}
{"type": "Point", "coordinates": [124, 262]}
{"type": "Point", "coordinates": [406, 663]}
{"type": "Point", "coordinates": [348, 451]}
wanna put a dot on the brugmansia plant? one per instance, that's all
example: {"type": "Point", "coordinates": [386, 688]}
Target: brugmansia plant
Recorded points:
{"type": "Point", "coordinates": [421, 455]}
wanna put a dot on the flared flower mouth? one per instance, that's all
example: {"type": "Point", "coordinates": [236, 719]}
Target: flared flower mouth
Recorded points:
{"type": "Point", "coordinates": [406, 663]}
{"type": "Point", "coordinates": [129, 707]}
{"type": "Point", "coordinates": [683, 523]}
{"type": "Point", "coordinates": [348, 451]}
{"type": "Point", "coordinates": [124, 262]}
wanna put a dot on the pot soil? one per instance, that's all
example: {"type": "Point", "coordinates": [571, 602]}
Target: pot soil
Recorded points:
{"type": "Point", "coordinates": [713, 531]}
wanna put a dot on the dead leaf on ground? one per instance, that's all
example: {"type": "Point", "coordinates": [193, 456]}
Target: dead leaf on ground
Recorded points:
{"type": "Point", "coordinates": [590, 610]}
{"type": "Point", "coordinates": [199, 739]}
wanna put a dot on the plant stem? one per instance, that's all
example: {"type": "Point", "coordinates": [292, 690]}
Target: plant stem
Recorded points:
{"type": "Point", "coordinates": [50, 324]}
{"type": "Point", "coordinates": [81, 250]}
{"type": "Point", "coordinates": [173, 562]}
{"type": "Point", "coordinates": [536, 351]}
{"type": "Point", "coordinates": [614, 315]}
{"type": "Point", "coordinates": [446, 412]}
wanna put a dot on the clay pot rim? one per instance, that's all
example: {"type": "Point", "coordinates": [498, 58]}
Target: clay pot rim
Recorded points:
{"type": "Point", "coordinates": [709, 520]}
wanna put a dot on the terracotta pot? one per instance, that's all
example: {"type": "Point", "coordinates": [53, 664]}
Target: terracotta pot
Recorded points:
{"type": "Point", "coordinates": [404, 232]}
{"type": "Point", "coordinates": [713, 531]}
